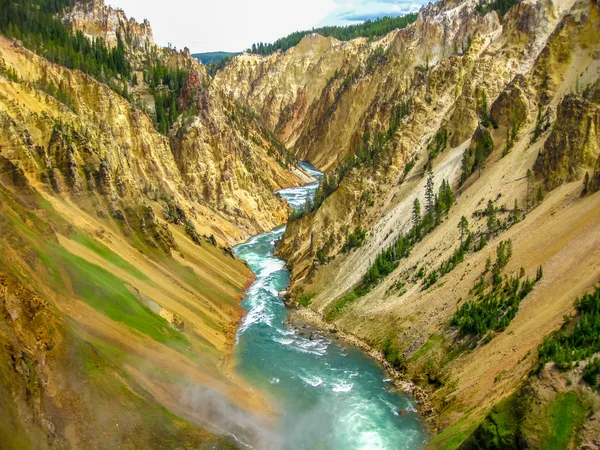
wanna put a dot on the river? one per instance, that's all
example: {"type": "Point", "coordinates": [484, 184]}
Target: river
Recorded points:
{"type": "Point", "coordinates": [329, 395]}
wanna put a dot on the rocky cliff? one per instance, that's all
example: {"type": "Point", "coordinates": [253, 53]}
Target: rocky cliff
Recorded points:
{"type": "Point", "coordinates": [119, 292]}
{"type": "Point", "coordinates": [504, 110]}
{"type": "Point", "coordinates": [96, 20]}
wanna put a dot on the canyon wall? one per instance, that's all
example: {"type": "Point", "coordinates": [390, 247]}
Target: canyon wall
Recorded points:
{"type": "Point", "coordinates": [119, 291]}
{"type": "Point", "coordinates": [503, 109]}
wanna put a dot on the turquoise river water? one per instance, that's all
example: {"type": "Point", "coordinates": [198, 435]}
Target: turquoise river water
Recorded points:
{"type": "Point", "coordinates": [328, 395]}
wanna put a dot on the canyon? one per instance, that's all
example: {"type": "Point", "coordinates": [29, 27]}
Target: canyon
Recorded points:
{"type": "Point", "coordinates": [121, 286]}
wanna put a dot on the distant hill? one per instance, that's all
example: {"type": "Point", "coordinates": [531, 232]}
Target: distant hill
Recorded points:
{"type": "Point", "coordinates": [212, 57]}
{"type": "Point", "coordinates": [369, 29]}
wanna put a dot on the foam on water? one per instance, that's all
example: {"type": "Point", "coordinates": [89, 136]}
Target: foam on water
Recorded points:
{"type": "Point", "coordinates": [329, 395]}
{"type": "Point", "coordinates": [312, 380]}
{"type": "Point", "coordinates": [342, 386]}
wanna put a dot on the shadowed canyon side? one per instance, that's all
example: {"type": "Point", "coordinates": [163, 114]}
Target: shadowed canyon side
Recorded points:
{"type": "Point", "coordinates": [458, 219]}
{"type": "Point", "coordinates": [119, 291]}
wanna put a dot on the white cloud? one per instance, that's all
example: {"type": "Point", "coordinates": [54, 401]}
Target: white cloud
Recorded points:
{"type": "Point", "coordinates": [352, 11]}
{"type": "Point", "coordinates": [233, 25]}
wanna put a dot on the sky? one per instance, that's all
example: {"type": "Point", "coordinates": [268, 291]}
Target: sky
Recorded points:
{"type": "Point", "coordinates": [234, 25]}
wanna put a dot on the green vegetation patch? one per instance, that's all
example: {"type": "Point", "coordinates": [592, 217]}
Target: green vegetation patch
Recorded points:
{"type": "Point", "coordinates": [108, 294]}
{"type": "Point", "coordinates": [104, 252]}
{"type": "Point", "coordinates": [166, 85]}
{"type": "Point", "coordinates": [393, 354]}
{"type": "Point", "coordinates": [509, 423]}
{"type": "Point", "coordinates": [495, 299]}
{"type": "Point", "coordinates": [453, 436]}
{"type": "Point", "coordinates": [33, 238]}
{"type": "Point", "coordinates": [355, 239]}
{"type": "Point", "coordinates": [475, 156]}
{"type": "Point", "coordinates": [211, 57]}
{"type": "Point", "coordinates": [59, 92]}
{"type": "Point", "coordinates": [502, 428]}
{"type": "Point", "coordinates": [433, 341]}
{"type": "Point", "coordinates": [566, 417]}
{"type": "Point", "coordinates": [306, 299]}
{"type": "Point", "coordinates": [500, 6]}
{"type": "Point", "coordinates": [575, 342]}
{"type": "Point", "coordinates": [591, 372]}
{"type": "Point", "coordinates": [340, 304]}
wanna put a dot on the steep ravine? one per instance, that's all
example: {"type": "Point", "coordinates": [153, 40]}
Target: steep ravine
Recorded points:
{"type": "Point", "coordinates": [119, 295]}
{"type": "Point", "coordinates": [523, 88]}
{"type": "Point", "coordinates": [327, 394]}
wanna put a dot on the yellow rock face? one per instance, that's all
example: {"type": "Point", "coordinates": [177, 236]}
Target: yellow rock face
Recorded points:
{"type": "Point", "coordinates": [536, 55]}
{"type": "Point", "coordinates": [119, 292]}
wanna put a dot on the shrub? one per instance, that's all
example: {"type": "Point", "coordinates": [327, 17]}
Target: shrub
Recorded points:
{"type": "Point", "coordinates": [393, 355]}
{"type": "Point", "coordinates": [354, 240]}
{"type": "Point", "coordinates": [578, 342]}
{"type": "Point", "coordinates": [591, 372]}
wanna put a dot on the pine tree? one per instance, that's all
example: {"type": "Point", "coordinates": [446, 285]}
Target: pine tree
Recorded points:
{"type": "Point", "coordinates": [463, 226]}
{"type": "Point", "coordinates": [516, 212]}
{"type": "Point", "coordinates": [539, 125]}
{"type": "Point", "coordinates": [529, 187]}
{"type": "Point", "coordinates": [429, 194]}
{"type": "Point", "coordinates": [482, 241]}
{"type": "Point", "coordinates": [540, 195]}
{"type": "Point", "coordinates": [586, 184]}
{"type": "Point", "coordinates": [416, 215]}
{"type": "Point", "coordinates": [483, 109]}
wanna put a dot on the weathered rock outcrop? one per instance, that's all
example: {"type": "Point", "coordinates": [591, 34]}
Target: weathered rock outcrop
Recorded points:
{"type": "Point", "coordinates": [320, 96]}
{"type": "Point", "coordinates": [96, 20]}
{"type": "Point", "coordinates": [574, 144]}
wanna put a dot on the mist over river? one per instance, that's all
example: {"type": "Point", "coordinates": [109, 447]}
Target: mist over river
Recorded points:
{"type": "Point", "coordinates": [328, 395]}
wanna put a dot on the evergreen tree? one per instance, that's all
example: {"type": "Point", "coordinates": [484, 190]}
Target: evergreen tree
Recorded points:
{"type": "Point", "coordinates": [463, 226]}
{"type": "Point", "coordinates": [516, 212]}
{"type": "Point", "coordinates": [483, 109]}
{"type": "Point", "coordinates": [429, 194]}
{"type": "Point", "coordinates": [540, 195]}
{"type": "Point", "coordinates": [586, 184]}
{"type": "Point", "coordinates": [530, 181]}
{"type": "Point", "coordinates": [416, 214]}
{"type": "Point", "coordinates": [488, 265]}
{"type": "Point", "coordinates": [539, 274]}
{"type": "Point", "coordinates": [539, 124]}
{"type": "Point", "coordinates": [368, 29]}
{"type": "Point", "coordinates": [491, 217]}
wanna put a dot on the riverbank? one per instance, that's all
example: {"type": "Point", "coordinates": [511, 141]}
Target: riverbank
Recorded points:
{"type": "Point", "coordinates": [307, 317]}
{"type": "Point", "coordinates": [326, 394]}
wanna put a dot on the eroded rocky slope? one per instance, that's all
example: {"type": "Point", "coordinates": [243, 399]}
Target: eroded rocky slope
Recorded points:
{"type": "Point", "coordinates": [502, 108]}
{"type": "Point", "coordinates": [119, 292]}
